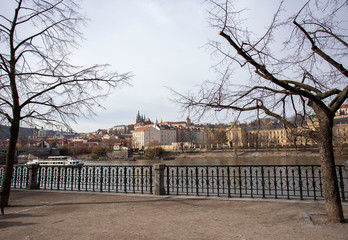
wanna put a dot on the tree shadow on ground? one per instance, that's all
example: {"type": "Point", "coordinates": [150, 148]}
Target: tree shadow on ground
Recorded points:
{"type": "Point", "coordinates": [4, 223]}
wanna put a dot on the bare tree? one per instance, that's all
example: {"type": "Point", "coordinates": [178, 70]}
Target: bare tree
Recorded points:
{"type": "Point", "coordinates": [296, 66]}
{"type": "Point", "coordinates": [191, 137]}
{"type": "Point", "coordinates": [38, 83]}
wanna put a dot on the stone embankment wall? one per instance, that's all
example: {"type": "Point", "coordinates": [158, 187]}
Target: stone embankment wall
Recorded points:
{"type": "Point", "coordinates": [249, 154]}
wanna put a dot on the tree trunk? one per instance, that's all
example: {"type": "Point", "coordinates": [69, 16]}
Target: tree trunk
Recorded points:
{"type": "Point", "coordinates": [15, 120]}
{"type": "Point", "coordinates": [333, 203]}
{"type": "Point", "coordinates": [10, 157]}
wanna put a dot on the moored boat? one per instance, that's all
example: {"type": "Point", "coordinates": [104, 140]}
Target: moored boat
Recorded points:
{"type": "Point", "coordinates": [56, 161]}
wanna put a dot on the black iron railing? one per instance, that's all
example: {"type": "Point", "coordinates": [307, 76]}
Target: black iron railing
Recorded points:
{"type": "Point", "coordinates": [118, 179]}
{"type": "Point", "coordinates": [256, 181]}
{"type": "Point", "coordinates": [20, 176]}
{"type": "Point", "coordinates": [125, 179]}
{"type": "Point", "coordinates": [291, 182]}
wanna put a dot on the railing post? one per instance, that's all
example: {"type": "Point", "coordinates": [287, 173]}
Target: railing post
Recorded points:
{"type": "Point", "coordinates": [263, 182]}
{"type": "Point", "coordinates": [341, 183]}
{"type": "Point", "coordinates": [300, 182]}
{"type": "Point", "coordinates": [159, 179]}
{"type": "Point", "coordinates": [228, 181]}
{"type": "Point", "coordinates": [32, 183]}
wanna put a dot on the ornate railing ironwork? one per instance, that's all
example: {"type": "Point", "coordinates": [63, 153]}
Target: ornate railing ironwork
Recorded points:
{"type": "Point", "coordinates": [252, 181]}
{"type": "Point", "coordinates": [20, 176]}
{"type": "Point", "coordinates": [118, 179]}
{"type": "Point", "coordinates": [276, 181]}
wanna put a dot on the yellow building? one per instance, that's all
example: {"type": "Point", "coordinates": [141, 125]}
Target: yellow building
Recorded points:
{"type": "Point", "coordinates": [272, 135]}
{"type": "Point", "coordinates": [340, 132]}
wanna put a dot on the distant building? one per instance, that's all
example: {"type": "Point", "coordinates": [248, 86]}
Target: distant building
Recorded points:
{"type": "Point", "coordinates": [119, 147]}
{"type": "Point", "coordinates": [342, 111]}
{"type": "Point", "coordinates": [119, 129]}
{"type": "Point", "coordinates": [187, 123]}
{"type": "Point", "coordinates": [39, 134]}
{"type": "Point", "coordinates": [143, 136]}
{"type": "Point", "coordinates": [43, 134]}
{"type": "Point", "coordinates": [153, 134]}
{"type": "Point", "coordinates": [142, 119]}
{"type": "Point", "coordinates": [271, 134]}
{"type": "Point", "coordinates": [102, 131]}
{"type": "Point", "coordinates": [191, 136]}
{"type": "Point", "coordinates": [120, 151]}
{"type": "Point", "coordinates": [167, 134]}
{"type": "Point", "coordinates": [62, 134]}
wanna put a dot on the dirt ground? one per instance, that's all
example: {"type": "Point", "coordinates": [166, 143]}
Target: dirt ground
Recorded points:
{"type": "Point", "coordinates": [71, 215]}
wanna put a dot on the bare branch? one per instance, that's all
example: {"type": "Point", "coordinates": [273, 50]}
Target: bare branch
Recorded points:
{"type": "Point", "coordinates": [322, 54]}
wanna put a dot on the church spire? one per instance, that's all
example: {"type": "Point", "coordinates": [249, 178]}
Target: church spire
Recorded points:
{"type": "Point", "coordinates": [138, 118]}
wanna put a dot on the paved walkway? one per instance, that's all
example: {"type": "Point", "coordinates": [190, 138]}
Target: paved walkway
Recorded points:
{"type": "Point", "coordinates": [70, 215]}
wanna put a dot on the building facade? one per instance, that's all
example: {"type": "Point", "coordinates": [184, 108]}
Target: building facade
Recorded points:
{"type": "Point", "coordinates": [275, 135]}
{"type": "Point", "coordinates": [167, 134]}
{"type": "Point", "coordinates": [153, 134]}
{"type": "Point", "coordinates": [143, 136]}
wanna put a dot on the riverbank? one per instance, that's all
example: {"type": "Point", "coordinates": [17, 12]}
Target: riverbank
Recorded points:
{"type": "Point", "coordinates": [248, 154]}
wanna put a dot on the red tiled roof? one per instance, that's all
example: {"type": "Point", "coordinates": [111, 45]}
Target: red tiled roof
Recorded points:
{"type": "Point", "coordinates": [142, 129]}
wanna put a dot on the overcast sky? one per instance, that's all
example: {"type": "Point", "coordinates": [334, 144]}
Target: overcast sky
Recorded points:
{"type": "Point", "coordinates": [160, 42]}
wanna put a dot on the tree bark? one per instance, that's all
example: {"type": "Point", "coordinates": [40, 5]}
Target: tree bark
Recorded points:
{"type": "Point", "coordinates": [333, 203]}
{"type": "Point", "coordinates": [15, 121]}
{"type": "Point", "coordinates": [10, 157]}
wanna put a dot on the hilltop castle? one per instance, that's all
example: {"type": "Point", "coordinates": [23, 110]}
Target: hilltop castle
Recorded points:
{"type": "Point", "coordinates": [142, 119]}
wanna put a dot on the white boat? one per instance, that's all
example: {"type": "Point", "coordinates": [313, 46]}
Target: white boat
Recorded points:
{"type": "Point", "coordinates": [57, 161]}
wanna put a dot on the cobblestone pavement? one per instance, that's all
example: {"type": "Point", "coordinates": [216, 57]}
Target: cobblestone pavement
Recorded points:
{"type": "Point", "coordinates": [71, 215]}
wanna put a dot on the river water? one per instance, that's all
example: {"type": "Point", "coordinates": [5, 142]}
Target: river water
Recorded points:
{"type": "Point", "coordinates": [300, 160]}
